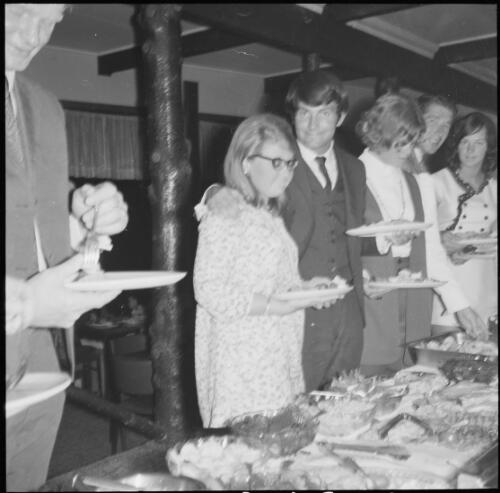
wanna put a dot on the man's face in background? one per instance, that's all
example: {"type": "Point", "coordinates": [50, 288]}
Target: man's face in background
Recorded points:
{"type": "Point", "coordinates": [28, 27]}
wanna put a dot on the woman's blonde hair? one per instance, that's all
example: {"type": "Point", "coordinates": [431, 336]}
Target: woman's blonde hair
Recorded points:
{"type": "Point", "coordinates": [249, 138]}
{"type": "Point", "coordinates": [393, 119]}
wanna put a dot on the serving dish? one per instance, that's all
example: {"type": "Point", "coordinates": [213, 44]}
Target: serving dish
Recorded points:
{"type": "Point", "coordinates": [282, 431]}
{"type": "Point", "coordinates": [436, 358]}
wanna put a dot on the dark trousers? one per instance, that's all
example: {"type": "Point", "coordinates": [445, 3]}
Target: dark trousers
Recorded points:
{"type": "Point", "coordinates": [333, 342]}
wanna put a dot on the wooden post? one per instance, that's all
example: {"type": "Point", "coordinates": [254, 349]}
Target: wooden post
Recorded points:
{"type": "Point", "coordinates": [172, 212]}
{"type": "Point", "coordinates": [311, 62]}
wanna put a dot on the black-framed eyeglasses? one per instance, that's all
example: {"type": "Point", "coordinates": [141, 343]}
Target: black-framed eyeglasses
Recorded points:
{"type": "Point", "coordinates": [277, 162]}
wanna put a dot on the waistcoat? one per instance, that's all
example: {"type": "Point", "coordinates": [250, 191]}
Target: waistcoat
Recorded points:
{"type": "Point", "coordinates": [327, 252]}
{"type": "Point", "coordinates": [407, 309]}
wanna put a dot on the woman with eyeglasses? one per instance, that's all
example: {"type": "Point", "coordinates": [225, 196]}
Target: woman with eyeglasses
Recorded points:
{"type": "Point", "coordinates": [248, 342]}
{"type": "Point", "coordinates": [466, 197]}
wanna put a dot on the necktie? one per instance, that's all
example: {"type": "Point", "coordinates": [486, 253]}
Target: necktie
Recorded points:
{"type": "Point", "coordinates": [11, 129]}
{"type": "Point", "coordinates": [321, 161]}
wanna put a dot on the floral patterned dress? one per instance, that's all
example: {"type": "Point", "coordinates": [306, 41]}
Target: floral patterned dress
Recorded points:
{"type": "Point", "coordinates": [245, 363]}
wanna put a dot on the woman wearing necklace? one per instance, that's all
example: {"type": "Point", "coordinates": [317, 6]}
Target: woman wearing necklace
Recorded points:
{"type": "Point", "coordinates": [248, 343]}
{"type": "Point", "coordinates": [466, 196]}
{"type": "Point", "coordinates": [390, 130]}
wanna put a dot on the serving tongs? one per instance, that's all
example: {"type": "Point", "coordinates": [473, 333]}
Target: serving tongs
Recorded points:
{"type": "Point", "coordinates": [396, 451]}
{"type": "Point", "coordinates": [81, 481]}
{"type": "Point", "coordinates": [346, 462]}
{"type": "Point", "coordinates": [384, 430]}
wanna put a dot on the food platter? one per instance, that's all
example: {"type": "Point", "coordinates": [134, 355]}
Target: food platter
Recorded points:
{"type": "Point", "coordinates": [424, 443]}
{"type": "Point", "coordinates": [422, 355]}
{"type": "Point", "coordinates": [388, 227]}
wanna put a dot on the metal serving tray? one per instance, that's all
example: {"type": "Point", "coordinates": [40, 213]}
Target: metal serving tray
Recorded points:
{"type": "Point", "coordinates": [436, 358]}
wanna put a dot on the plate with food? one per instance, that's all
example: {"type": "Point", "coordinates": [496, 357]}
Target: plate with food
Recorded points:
{"type": "Point", "coordinates": [104, 281]}
{"type": "Point", "coordinates": [337, 287]}
{"type": "Point", "coordinates": [476, 255]}
{"type": "Point", "coordinates": [388, 227]}
{"type": "Point", "coordinates": [102, 324]}
{"type": "Point", "coordinates": [405, 280]}
{"type": "Point", "coordinates": [478, 240]}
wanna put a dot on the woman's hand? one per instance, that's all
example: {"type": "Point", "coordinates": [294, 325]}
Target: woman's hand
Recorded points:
{"type": "Point", "coordinates": [402, 237]}
{"type": "Point", "coordinates": [375, 293]}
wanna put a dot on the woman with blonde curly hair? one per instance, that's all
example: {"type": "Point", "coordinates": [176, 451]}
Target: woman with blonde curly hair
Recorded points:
{"type": "Point", "coordinates": [390, 130]}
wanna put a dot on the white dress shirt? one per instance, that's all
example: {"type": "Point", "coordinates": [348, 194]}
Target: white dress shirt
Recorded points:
{"type": "Point", "coordinates": [310, 156]}
{"type": "Point", "coordinates": [390, 190]}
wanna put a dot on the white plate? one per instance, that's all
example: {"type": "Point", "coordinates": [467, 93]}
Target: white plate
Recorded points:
{"type": "Point", "coordinates": [34, 388]}
{"type": "Point", "coordinates": [101, 325]}
{"type": "Point", "coordinates": [476, 255]}
{"type": "Point", "coordinates": [478, 240]}
{"type": "Point", "coordinates": [104, 281]}
{"type": "Point", "coordinates": [320, 294]}
{"type": "Point", "coordinates": [387, 227]}
{"type": "Point", "coordinates": [425, 283]}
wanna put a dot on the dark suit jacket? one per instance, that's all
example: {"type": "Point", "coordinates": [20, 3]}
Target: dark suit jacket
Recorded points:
{"type": "Point", "coordinates": [299, 213]}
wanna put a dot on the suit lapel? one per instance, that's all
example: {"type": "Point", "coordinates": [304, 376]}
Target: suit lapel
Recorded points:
{"type": "Point", "coordinates": [343, 170]}
{"type": "Point", "coordinates": [26, 118]}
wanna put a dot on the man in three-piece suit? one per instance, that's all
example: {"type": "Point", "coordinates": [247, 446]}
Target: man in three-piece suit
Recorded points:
{"type": "Point", "coordinates": [325, 198]}
{"type": "Point", "coordinates": [38, 240]}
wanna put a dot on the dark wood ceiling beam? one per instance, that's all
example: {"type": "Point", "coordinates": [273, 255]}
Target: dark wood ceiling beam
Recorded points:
{"type": "Point", "coordinates": [118, 61]}
{"type": "Point", "coordinates": [294, 29]}
{"type": "Point", "coordinates": [193, 44]}
{"type": "Point", "coordinates": [478, 49]}
{"type": "Point", "coordinates": [345, 12]}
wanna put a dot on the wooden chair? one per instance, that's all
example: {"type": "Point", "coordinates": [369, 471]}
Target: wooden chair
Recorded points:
{"type": "Point", "coordinates": [132, 371]}
{"type": "Point", "coordinates": [87, 362]}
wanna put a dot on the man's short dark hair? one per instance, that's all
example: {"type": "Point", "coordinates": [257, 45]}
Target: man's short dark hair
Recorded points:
{"type": "Point", "coordinates": [314, 89]}
{"type": "Point", "coordinates": [425, 100]}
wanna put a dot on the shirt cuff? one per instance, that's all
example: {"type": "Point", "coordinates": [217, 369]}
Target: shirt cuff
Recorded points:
{"type": "Point", "coordinates": [383, 245]}
{"type": "Point", "coordinates": [77, 232]}
{"type": "Point", "coordinates": [401, 250]}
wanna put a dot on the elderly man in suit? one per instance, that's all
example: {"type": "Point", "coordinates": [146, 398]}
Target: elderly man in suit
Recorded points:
{"type": "Point", "coordinates": [38, 238]}
{"type": "Point", "coordinates": [325, 198]}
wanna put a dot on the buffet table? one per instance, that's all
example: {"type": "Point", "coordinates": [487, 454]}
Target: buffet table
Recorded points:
{"type": "Point", "coordinates": [150, 458]}
{"type": "Point", "coordinates": [147, 458]}
{"type": "Point", "coordinates": [432, 425]}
